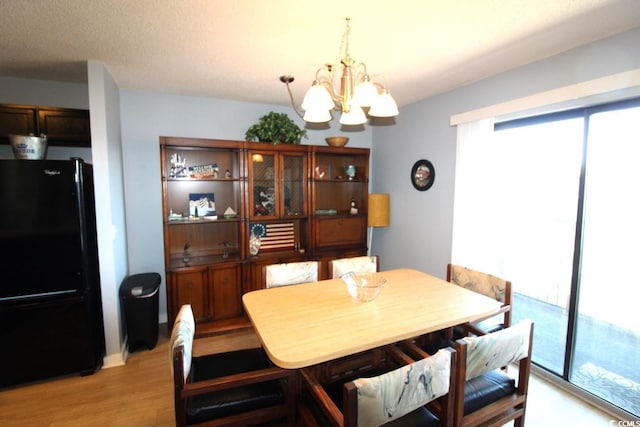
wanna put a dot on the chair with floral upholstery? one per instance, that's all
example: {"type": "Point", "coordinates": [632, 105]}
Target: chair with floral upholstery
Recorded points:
{"type": "Point", "coordinates": [290, 273]}
{"type": "Point", "coordinates": [359, 264]}
{"type": "Point", "coordinates": [488, 285]}
{"type": "Point", "coordinates": [483, 393]}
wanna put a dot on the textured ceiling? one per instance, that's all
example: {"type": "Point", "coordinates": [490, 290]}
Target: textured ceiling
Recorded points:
{"type": "Point", "coordinates": [237, 49]}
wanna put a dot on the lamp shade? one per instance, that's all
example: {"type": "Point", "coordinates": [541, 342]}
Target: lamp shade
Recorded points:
{"type": "Point", "coordinates": [317, 98]}
{"type": "Point", "coordinates": [378, 210]}
{"type": "Point", "coordinates": [365, 94]}
{"type": "Point", "coordinates": [354, 117]}
{"type": "Point", "coordinates": [384, 106]}
{"type": "Point", "coordinates": [317, 115]}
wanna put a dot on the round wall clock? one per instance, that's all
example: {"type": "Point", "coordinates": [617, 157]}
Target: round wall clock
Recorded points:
{"type": "Point", "coordinates": [422, 175]}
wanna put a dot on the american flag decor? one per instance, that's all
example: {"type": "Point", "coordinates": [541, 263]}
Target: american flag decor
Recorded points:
{"type": "Point", "coordinates": [275, 236]}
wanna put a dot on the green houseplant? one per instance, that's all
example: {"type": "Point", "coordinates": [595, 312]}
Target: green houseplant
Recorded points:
{"type": "Point", "coordinates": [276, 128]}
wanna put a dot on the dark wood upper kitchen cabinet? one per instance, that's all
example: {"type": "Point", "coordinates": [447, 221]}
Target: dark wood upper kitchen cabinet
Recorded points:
{"type": "Point", "coordinates": [64, 127]}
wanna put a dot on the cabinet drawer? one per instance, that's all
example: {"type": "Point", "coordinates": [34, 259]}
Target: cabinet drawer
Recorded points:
{"type": "Point", "coordinates": [340, 231]}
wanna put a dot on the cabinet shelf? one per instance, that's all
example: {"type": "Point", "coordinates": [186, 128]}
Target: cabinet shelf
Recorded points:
{"type": "Point", "coordinates": [338, 180]}
{"type": "Point", "coordinates": [186, 179]}
{"type": "Point", "coordinates": [340, 214]}
{"type": "Point", "coordinates": [177, 262]}
{"type": "Point", "coordinates": [187, 221]}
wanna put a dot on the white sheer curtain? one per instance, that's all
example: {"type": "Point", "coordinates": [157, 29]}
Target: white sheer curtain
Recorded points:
{"type": "Point", "coordinates": [515, 201]}
{"type": "Point", "coordinates": [476, 207]}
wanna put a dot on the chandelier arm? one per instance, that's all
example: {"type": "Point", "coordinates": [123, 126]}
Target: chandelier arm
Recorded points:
{"type": "Point", "coordinates": [332, 92]}
{"type": "Point", "coordinates": [293, 104]}
{"type": "Point", "coordinates": [361, 72]}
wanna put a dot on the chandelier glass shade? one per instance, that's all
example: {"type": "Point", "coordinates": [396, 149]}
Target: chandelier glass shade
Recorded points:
{"type": "Point", "coordinates": [355, 92]}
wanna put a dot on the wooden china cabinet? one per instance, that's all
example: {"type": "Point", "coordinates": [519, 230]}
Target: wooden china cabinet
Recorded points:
{"type": "Point", "coordinates": [215, 193]}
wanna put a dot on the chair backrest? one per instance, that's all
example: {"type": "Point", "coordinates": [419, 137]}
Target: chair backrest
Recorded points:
{"type": "Point", "coordinates": [392, 395]}
{"type": "Point", "coordinates": [180, 348]}
{"type": "Point", "coordinates": [478, 355]}
{"type": "Point", "coordinates": [359, 264]}
{"type": "Point", "coordinates": [492, 351]}
{"type": "Point", "coordinates": [291, 273]}
{"type": "Point", "coordinates": [182, 336]}
{"type": "Point", "coordinates": [483, 283]}
{"type": "Point", "coordinates": [477, 281]}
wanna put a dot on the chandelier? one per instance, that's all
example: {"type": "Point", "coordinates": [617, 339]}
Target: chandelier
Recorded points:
{"type": "Point", "coordinates": [356, 91]}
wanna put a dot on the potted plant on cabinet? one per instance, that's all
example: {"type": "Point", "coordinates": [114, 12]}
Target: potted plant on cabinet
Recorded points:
{"type": "Point", "coordinates": [276, 128]}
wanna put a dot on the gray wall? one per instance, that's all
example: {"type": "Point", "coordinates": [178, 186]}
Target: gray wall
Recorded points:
{"type": "Point", "coordinates": [421, 222]}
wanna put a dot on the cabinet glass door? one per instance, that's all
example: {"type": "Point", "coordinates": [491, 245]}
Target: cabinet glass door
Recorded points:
{"type": "Point", "coordinates": [293, 188]}
{"type": "Point", "coordinates": [263, 201]}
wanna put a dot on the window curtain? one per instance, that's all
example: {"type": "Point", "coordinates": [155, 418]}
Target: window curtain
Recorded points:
{"type": "Point", "coordinates": [475, 217]}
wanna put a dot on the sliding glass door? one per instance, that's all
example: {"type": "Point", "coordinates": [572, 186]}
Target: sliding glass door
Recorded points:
{"type": "Point", "coordinates": [607, 330]}
{"type": "Point", "coordinates": [552, 204]}
{"type": "Point", "coordinates": [542, 164]}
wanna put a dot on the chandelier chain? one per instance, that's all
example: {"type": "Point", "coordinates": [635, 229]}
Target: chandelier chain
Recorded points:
{"type": "Point", "coordinates": [344, 44]}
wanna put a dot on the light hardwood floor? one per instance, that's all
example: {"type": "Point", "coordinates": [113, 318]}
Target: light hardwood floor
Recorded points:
{"type": "Point", "coordinates": [141, 394]}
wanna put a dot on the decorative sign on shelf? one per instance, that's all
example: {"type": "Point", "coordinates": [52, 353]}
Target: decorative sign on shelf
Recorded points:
{"type": "Point", "coordinates": [203, 171]}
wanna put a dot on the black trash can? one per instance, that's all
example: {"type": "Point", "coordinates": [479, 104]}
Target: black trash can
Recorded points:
{"type": "Point", "coordinates": [139, 304]}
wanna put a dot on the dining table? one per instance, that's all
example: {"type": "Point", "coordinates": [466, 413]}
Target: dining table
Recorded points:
{"type": "Point", "coordinates": [307, 324]}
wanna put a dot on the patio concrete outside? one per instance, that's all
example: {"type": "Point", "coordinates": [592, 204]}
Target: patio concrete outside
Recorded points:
{"type": "Point", "coordinates": [605, 356]}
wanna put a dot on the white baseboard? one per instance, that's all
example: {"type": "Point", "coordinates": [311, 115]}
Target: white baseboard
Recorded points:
{"type": "Point", "coordinates": [118, 359]}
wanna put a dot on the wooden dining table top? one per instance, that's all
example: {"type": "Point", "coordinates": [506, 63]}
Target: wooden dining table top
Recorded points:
{"type": "Point", "coordinates": [311, 323]}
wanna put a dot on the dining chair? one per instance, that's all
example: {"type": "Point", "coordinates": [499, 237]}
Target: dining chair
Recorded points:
{"type": "Point", "coordinates": [239, 387]}
{"type": "Point", "coordinates": [484, 394]}
{"type": "Point", "coordinates": [291, 273]}
{"type": "Point", "coordinates": [488, 285]}
{"type": "Point", "coordinates": [359, 264]}
{"type": "Point", "coordinates": [398, 397]}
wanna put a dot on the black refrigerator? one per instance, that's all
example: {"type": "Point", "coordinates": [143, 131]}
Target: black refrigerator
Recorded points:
{"type": "Point", "coordinates": [50, 306]}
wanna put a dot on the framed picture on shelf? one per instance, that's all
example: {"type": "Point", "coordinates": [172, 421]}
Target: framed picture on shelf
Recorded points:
{"type": "Point", "coordinates": [202, 205]}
